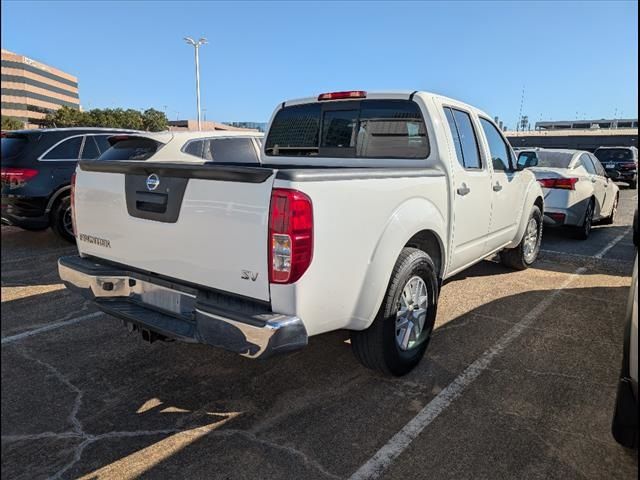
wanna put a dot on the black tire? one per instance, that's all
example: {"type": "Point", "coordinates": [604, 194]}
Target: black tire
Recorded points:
{"type": "Point", "coordinates": [34, 229]}
{"type": "Point", "coordinates": [376, 347]}
{"type": "Point", "coordinates": [583, 231]}
{"type": "Point", "coordinates": [515, 257]}
{"type": "Point", "coordinates": [60, 218]}
{"type": "Point", "coordinates": [633, 185]}
{"type": "Point", "coordinates": [612, 218]}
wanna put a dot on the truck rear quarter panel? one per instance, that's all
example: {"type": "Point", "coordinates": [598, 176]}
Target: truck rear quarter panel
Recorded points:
{"type": "Point", "coordinates": [360, 227]}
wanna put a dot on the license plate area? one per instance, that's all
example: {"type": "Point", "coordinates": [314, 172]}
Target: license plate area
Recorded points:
{"type": "Point", "coordinates": [163, 298]}
{"type": "Point", "coordinates": [611, 165]}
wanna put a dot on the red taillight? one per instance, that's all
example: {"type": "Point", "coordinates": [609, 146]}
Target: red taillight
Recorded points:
{"type": "Point", "coordinates": [562, 183]}
{"type": "Point", "coordinates": [342, 95]}
{"type": "Point", "coordinates": [73, 202]}
{"type": "Point", "coordinates": [290, 235]}
{"type": "Point", "coordinates": [17, 175]}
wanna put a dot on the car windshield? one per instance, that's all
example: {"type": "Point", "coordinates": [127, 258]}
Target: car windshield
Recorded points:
{"type": "Point", "coordinates": [12, 146]}
{"type": "Point", "coordinates": [554, 159]}
{"type": "Point", "coordinates": [355, 129]}
{"type": "Point", "coordinates": [607, 155]}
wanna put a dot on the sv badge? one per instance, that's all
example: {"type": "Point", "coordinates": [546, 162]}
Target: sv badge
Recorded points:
{"type": "Point", "coordinates": [248, 275]}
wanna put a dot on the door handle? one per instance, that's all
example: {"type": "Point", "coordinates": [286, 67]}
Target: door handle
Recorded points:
{"type": "Point", "coordinates": [463, 189]}
{"type": "Point", "coordinates": [497, 187]}
{"type": "Point", "coordinates": [593, 180]}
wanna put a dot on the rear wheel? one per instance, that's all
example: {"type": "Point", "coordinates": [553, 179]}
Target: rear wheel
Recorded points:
{"type": "Point", "coordinates": [397, 339]}
{"type": "Point", "coordinates": [583, 231]}
{"type": "Point", "coordinates": [522, 256]}
{"type": "Point", "coordinates": [614, 209]}
{"type": "Point", "coordinates": [633, 185]}
{"type": "Point", "coordinates": [61, 222]}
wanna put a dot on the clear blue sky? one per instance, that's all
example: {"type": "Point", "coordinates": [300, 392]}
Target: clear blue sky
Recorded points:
{"type": "Point", "coordinates": [572, 58]}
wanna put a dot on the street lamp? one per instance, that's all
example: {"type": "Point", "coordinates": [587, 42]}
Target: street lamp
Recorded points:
{"type": "Point", "coordinates": [196, 46]}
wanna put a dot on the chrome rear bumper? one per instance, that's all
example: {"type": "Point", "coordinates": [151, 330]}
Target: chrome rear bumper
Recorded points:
{"type": "Point", "coordinates": [183, 312]}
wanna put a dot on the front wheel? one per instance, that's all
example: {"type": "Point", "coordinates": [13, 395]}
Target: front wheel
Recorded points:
{"type": "Point", "coordinates": [398, 337]}
{"type": "Point", "coordinates": [523, 256]}
{"type": "Point", "coordinates": [61, 222]}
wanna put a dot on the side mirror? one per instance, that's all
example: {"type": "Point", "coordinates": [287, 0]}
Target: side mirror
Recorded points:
{"type": "Point", "coordinates": [526, 160]}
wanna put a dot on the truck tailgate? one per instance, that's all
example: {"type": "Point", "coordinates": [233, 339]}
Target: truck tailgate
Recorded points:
{"type": "Point", "coordinates": [206, 225]}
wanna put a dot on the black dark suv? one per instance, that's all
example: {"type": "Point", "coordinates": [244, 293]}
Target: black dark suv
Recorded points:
{"type": "Point", "coordinates": [621, 163]}
{"type": "Point", "coordinates": [36, 173]}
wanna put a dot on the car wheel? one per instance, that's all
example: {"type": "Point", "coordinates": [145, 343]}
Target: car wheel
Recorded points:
{"type": "Point", "coordinates": [398, 337]}
{"type": "Point", "coordinates": [522, 256]}
{"type": "Point", "coordinates": [633, 185]}
{"type": "Point", "coordinates": [583, 231]}
{"type": "Point", "coordinates": [614, 209]}
{"type": "Point", "coordinates": [61, 222]}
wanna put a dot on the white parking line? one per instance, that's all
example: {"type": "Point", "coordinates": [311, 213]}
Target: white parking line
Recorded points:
{"type": "Point", "coordinates": [383, 458]}
{"type": "Point", "coordinates": [47, 328]}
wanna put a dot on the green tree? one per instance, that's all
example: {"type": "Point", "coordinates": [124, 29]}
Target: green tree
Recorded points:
{"type": "Point", "coordinates": [66, 117]}
{"type": "Point", "coordinates": [151, 119]}
{"type": "Point", "coordinates": [10, 123]}
{"type": "Point", "coordinates": [154, 120]}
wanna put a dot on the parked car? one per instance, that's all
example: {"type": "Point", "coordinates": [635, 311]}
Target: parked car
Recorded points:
{"type": "Point", "coordinates": [224, 147]}
{"type": "Point", "coordinates": [577, 190]}
{"type": "Point", "coordinates": [625, 418]}
{"type": "Point", "coordinates": [36, 174]}
{"type": "Point", "coordinates": [621, 163]}
{"type": "Point", "coordinates": [363, 205]}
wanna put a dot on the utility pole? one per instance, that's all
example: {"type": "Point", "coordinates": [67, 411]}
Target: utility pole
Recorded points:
{"type": "Point", "coordinates": [520, 113]}
{"type": "Point", "coordinates": [196, 46]}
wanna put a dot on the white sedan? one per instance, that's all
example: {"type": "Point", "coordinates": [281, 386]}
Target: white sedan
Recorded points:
{"type": "Point", "coordinates": [577, 191]}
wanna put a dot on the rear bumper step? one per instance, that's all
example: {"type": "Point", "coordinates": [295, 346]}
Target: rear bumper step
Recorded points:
{"type": "Point", "coordinates": [182, 312]}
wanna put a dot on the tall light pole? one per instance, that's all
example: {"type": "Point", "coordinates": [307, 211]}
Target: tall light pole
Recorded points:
{"type": "Point", "coordinates": [196, 47]}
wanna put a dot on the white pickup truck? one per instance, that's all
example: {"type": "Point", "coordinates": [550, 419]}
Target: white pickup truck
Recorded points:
{"type": "Point", "coordinates": [362, 205]}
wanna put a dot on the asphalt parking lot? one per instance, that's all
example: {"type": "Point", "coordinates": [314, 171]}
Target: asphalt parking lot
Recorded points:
{"type": "Point", "coordinates": [519, 382]}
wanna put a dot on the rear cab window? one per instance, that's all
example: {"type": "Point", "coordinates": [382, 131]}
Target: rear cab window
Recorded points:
{"type": "Point", "coordinates": [464, 138]}
{"type": "Point", "coordinates": [130, 148]}
{"type": "Point", "coordinates": [349, 129]}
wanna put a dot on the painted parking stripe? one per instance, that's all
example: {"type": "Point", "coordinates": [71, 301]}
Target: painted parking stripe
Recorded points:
{"type": "Point", "coordinates": [48, 328]}
{"type": "Point", "coordinates": [384, 457]}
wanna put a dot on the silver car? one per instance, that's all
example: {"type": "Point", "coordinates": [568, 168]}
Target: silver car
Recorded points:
{"type": "Point", "coordinates": [577, 190]}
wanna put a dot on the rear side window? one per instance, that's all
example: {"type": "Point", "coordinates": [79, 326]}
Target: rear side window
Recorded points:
{"type": "Point", "coordinates": [67, 150]}
{"type": "Point", "coordinates": [588, 164]}
{"type": "Point", "coordinates": [194, 148]}
{"type": "Point", "coordinates": [230, 150]}
{"type": "Point", "coordinates": [464, 138]}
{"type": "Point", "coordinates": [103, 142]}
{"type": "Point", "coordinates": [134, 148]}
{"type": "Point", "coordinates": [90, 149]}
{"type": "Point", "coordinates": [12, 146]}
{"type": "Point", "coordinates": [500, 154]}
{"type": "Point", "coordinates": [353, 129]}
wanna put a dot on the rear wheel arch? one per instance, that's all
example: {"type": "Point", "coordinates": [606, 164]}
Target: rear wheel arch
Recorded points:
{"type": "Point", "coordinates": [57, 196]}
{"type": "Point", "coordinates": [430, 243]}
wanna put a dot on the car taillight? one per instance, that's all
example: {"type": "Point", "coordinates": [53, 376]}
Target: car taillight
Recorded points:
{"type": "Point", "coordinates": [629, 165]}
{"type": "Point", "coordinates": [17, 175]}
{"type": "Point", "coordinates": [562, 183]}
{"type": "Point", "coordinates": [290, 235]}
{"type": "Point", "coordinates": [73, 202]}
{"type": "Point", "coordinates": [342, 95]}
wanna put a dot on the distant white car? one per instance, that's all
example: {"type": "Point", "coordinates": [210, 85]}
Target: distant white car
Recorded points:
{"type": "Point", "coordinates": [577, 190]}
{"type": "Point", "coordinates": [223, 147]}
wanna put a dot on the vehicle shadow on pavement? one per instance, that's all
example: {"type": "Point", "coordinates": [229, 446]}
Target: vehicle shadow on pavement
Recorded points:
{"type": "Point", "coordinates": [176, 410]}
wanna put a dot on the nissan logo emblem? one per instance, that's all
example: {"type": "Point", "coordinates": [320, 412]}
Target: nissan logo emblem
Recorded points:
{"type": "Point", "coordinates": [153, 181]}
